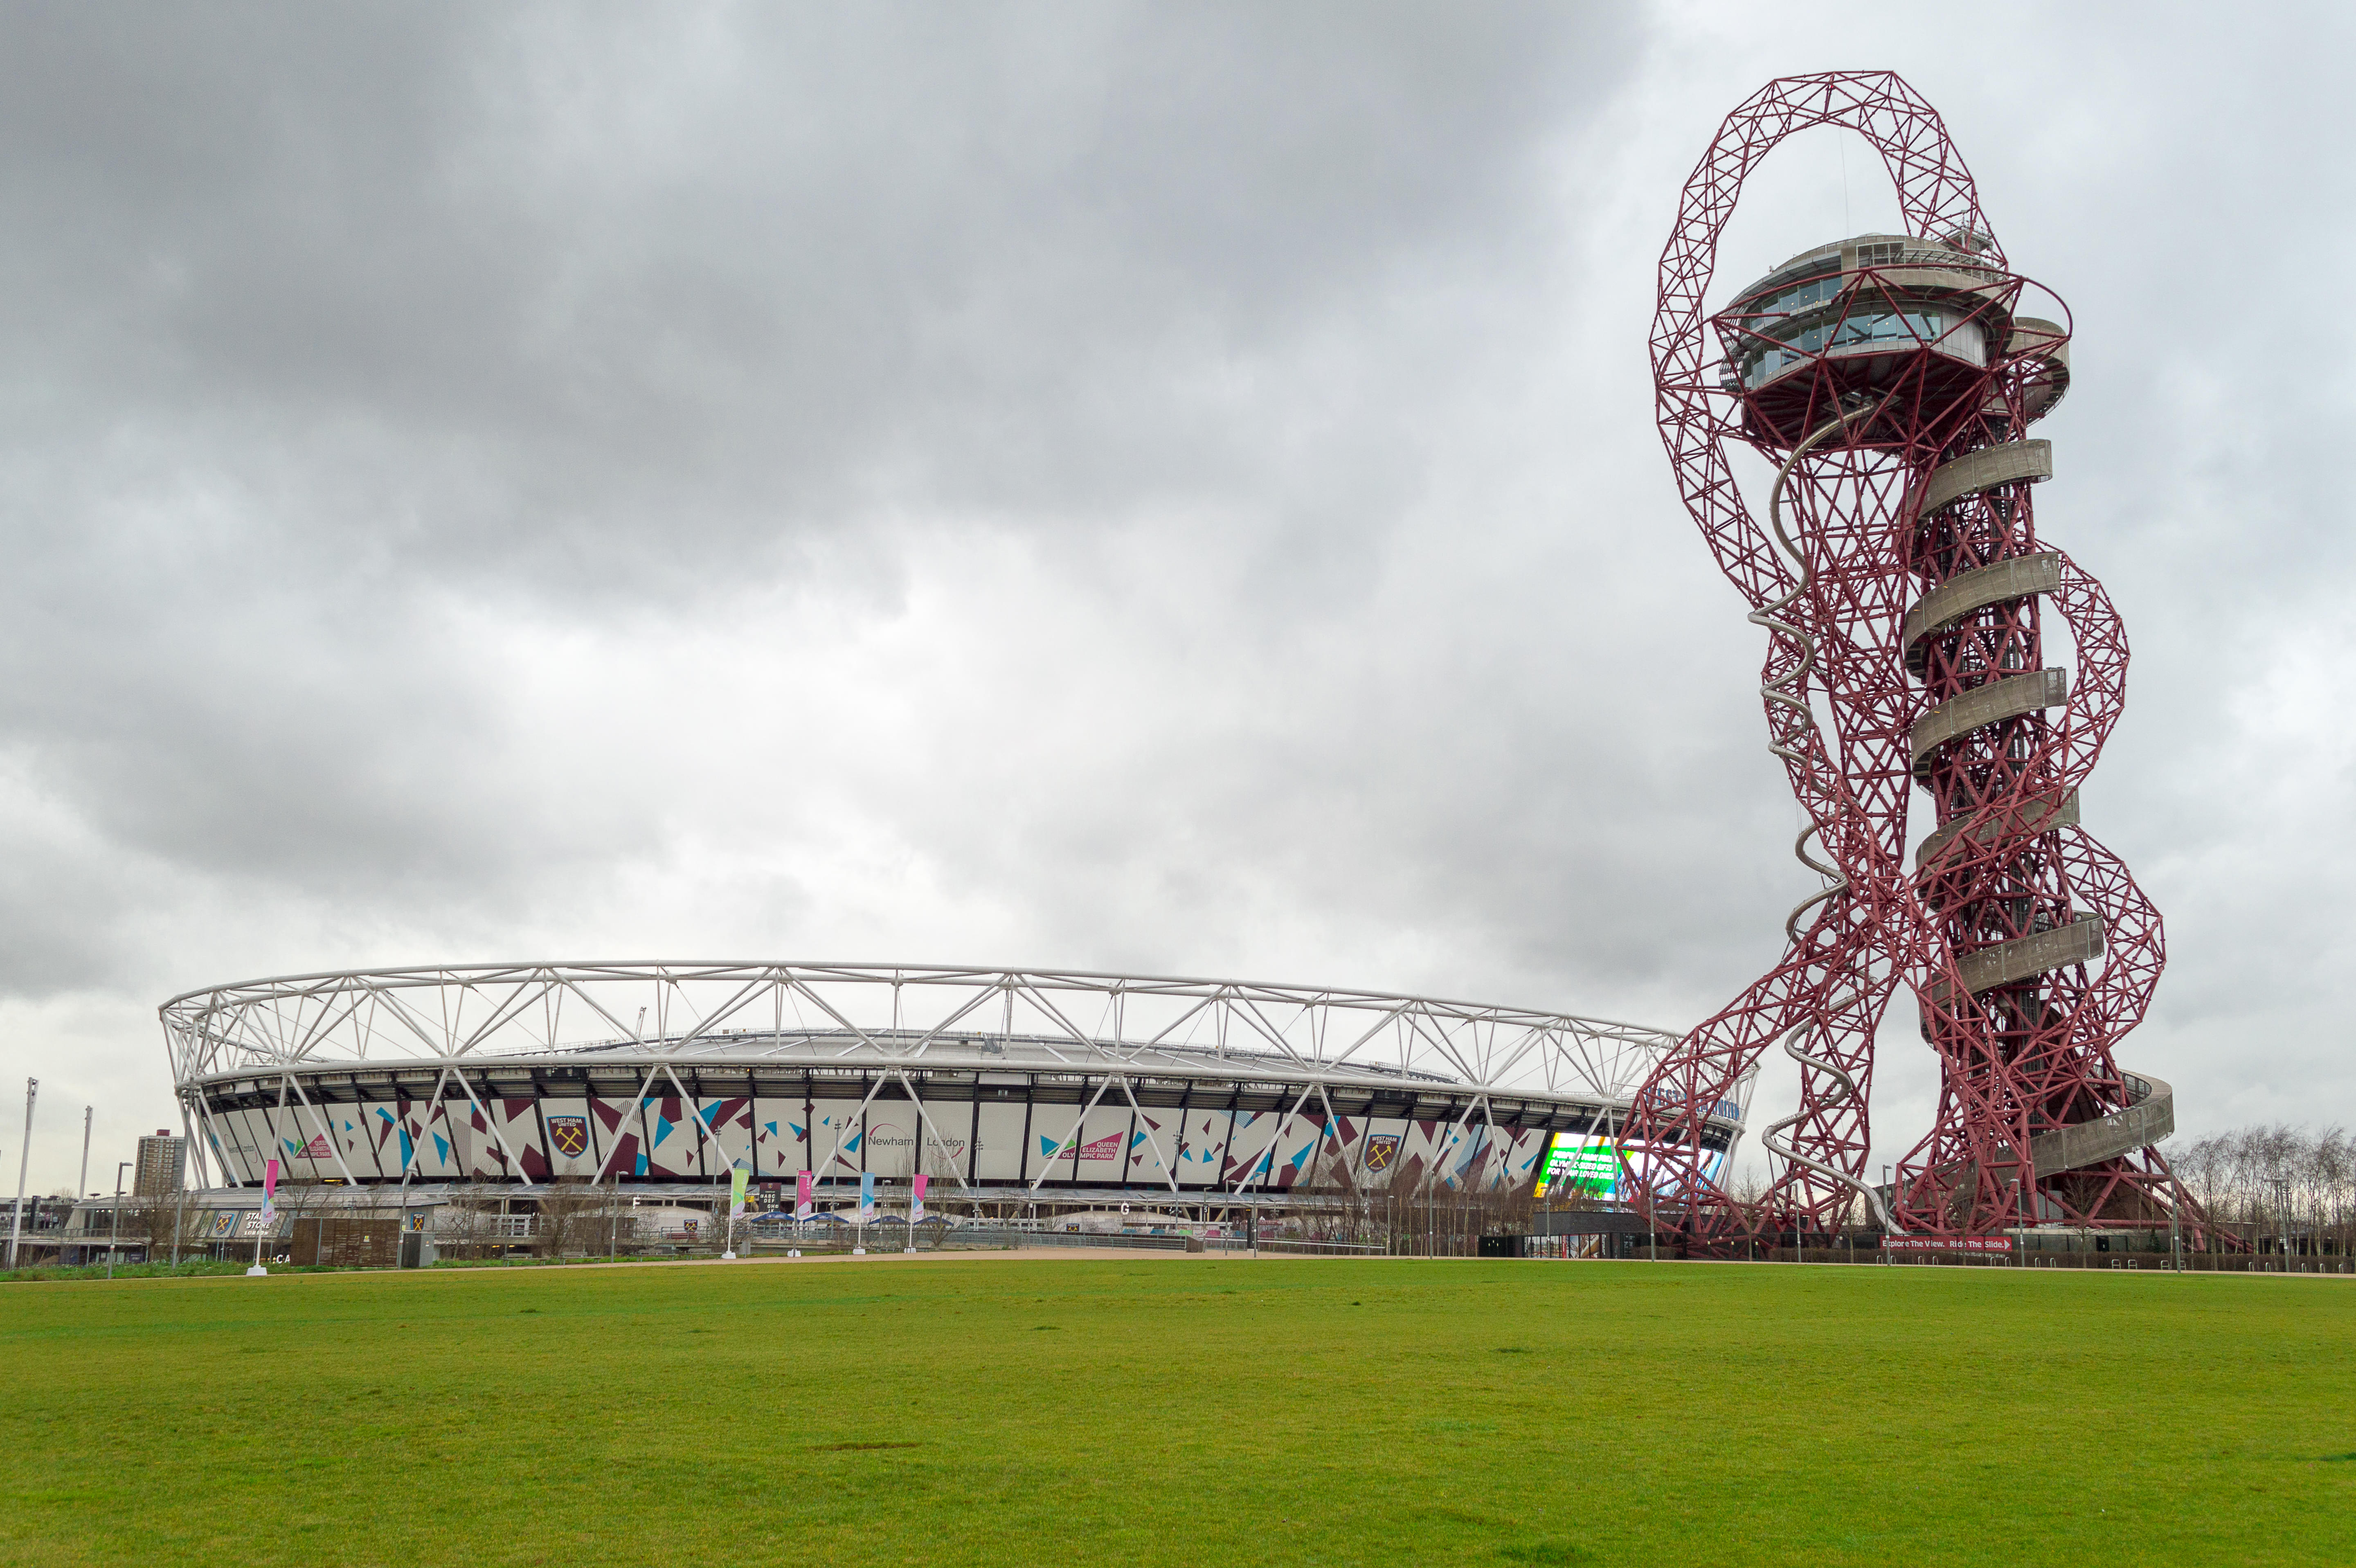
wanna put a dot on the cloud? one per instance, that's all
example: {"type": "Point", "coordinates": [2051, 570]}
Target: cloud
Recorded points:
{"type": "Point", "coordinates": [1131, 486]}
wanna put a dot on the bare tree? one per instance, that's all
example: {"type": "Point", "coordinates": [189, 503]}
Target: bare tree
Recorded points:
{"type": "Point", "coordinates": [2269, 1180]}
{"type": "Point", "coordinates": [573, 1218]}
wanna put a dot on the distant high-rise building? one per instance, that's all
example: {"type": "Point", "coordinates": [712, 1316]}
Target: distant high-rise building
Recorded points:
{"type": "Point", "coordinates": [163, 1160]}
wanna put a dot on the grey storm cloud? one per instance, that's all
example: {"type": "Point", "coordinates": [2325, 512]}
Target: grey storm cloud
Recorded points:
{"type": "Point", "coordinates": [1167, 487]}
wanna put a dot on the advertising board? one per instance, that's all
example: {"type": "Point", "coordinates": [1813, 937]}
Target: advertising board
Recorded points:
{"type": "Point", "coordinates": [1580, 1165]}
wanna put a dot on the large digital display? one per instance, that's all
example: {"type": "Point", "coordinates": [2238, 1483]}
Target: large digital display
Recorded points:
{"type": "Point", "coordinates": [1579, 1166]}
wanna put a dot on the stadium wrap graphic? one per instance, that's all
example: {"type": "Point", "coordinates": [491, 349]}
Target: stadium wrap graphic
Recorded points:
{"type": "Point", "coordinates": [569, 1136]}
{"type": "Point", "coordinates": [1381, 1149]}
{"type": "Point", "coordinates": [1105, 1147]}
{"type": "Point", "coordinates": [885, 1135]}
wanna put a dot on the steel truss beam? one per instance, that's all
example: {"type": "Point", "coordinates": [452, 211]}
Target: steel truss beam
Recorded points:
{"type": "Point", "coordinates": [892, 1016]}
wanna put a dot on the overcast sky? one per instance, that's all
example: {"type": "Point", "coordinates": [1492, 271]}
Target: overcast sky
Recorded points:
{"type": "Point", "coordinates": [1165, 489]}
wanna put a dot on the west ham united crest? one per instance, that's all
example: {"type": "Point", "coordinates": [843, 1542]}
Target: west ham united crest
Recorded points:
{"type": "Point", "coordinates": [569, 1135]}
{"type": "Point", "coordinates": [1381, 1149]}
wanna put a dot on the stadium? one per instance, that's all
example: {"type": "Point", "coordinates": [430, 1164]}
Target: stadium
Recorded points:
{"type": "Point", "coordinates": [1014, 1093]}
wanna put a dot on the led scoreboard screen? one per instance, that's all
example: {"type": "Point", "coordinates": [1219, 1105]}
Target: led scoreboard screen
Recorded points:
{"type": "Point", "coordinates": [1578, 1166]}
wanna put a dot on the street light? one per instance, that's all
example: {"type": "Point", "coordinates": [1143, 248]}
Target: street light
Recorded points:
{"type": "Point", "coordinates": [115, 1238]}
{"type": "Point", "coordinates": [16, 1217]}
{"type": "Point", "coordinates": [2281, 1184]}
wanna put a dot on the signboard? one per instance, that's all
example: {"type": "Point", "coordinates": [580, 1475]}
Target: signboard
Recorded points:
{"type": "Point", "coordinates": [1579, 1165]}
{"type": "Point", "coordinates": [1105, 1147]}
{"type": "Point", "coordinates": [1946, 1244]}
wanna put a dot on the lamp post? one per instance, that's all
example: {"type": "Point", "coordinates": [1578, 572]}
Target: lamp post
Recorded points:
{"type": "Point", "coordinates": [17, 1220]}
{"type": "Point", "coordinates": [181, 1192]}
{"type": "Point", "coordinates": [114, 1237]}
{"type": "Point", "coordinates": [2281, 1185]}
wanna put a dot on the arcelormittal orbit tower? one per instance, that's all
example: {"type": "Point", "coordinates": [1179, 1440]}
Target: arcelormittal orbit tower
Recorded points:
{"type": "Point", "coordinates": [1888, 381]}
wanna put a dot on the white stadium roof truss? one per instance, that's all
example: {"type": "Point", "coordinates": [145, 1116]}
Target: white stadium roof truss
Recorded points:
{"type": "Point", "coordinates": [890, 1015]}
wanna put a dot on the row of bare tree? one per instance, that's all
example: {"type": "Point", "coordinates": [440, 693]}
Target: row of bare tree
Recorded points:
{"type": "Point", "coordinates": [2279, 1180]}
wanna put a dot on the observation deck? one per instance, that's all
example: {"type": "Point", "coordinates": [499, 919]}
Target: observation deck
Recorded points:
{"type": "Point", "coordinates": [1878, 313]}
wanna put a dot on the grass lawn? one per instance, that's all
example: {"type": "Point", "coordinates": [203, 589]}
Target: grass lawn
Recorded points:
{"type": "Point", "coordinates": [1181, 1410]}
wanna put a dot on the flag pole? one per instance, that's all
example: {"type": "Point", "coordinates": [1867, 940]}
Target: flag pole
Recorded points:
{"type": "Point", "coordinates": [268, 1212]}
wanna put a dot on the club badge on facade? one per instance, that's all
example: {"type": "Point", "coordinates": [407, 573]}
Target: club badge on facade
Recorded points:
{"type": "Point", "coordinates": [569, 1135]}
{"type": "Point", "coordinates": [1381, 1149]}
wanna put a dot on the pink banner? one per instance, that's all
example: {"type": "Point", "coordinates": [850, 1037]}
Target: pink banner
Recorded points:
{"type": "Point", "coordinates": [269, 1191]}
{"type": "Point", "coordinates": [802, 1196]}
{"type": "Point", "coordinates": [917, 1203]}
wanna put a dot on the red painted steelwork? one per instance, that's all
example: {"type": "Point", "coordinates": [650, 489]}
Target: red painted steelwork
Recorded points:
{"type": "Point", "coordinates": [1857, 419]}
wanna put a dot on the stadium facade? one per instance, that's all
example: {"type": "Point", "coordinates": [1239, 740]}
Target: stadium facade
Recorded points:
{"type": "Point", "coordinates": [1052, 1088]}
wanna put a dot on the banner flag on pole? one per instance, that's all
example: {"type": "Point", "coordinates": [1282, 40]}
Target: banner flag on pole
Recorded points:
{"type": "Point", "coordinates": [736, 1177]}
{"type": "Point", "coordinates": [867, 1197]}
{"type": "Point", "coordinates": [269, 1191]}
{"type": "Point", "coordinates": [916, 1204]}
{"type": "Point", "coordinates": [802, 1205]}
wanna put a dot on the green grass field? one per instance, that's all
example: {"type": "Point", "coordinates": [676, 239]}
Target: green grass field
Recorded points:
{"type": "Point", "coordinates": [1181, 1410]}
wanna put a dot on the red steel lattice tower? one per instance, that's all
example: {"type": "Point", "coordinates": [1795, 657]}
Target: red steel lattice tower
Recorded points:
{"type": "Point", "coordinates": [1889, 382]}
